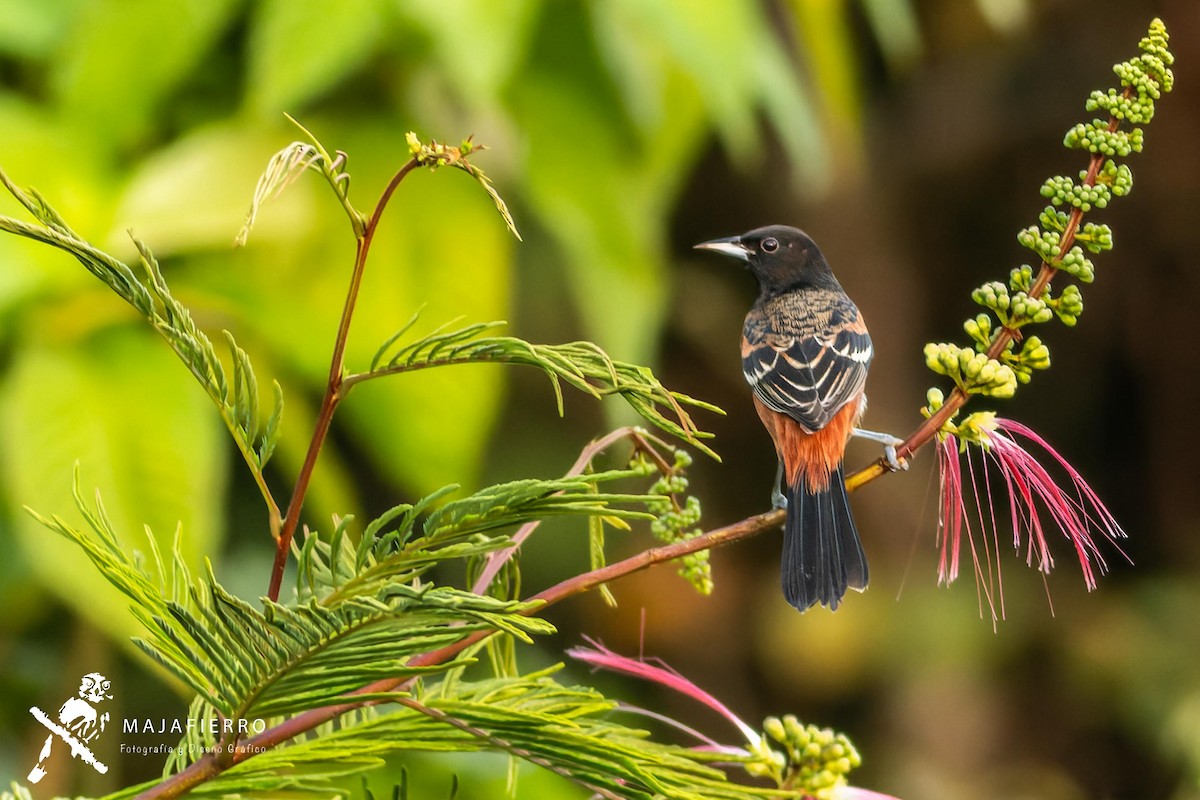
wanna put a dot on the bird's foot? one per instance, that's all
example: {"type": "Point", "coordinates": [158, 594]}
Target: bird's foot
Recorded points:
{"type": "Point", "coordinates": [889, 443]}
{"type": "Point", "coordinates": [778, 500]}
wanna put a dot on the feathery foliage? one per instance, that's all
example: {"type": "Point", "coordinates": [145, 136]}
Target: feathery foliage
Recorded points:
{"type": "Point", "coordinates": [236, 398]}
{"type": "Point", "coordinates": [289, 164]}
{"type": "Point", "coordinates": [535, 718]}
{"type": "Point", "coordinates": [581, 365]}
{"type": "Point", "coordinates": [248, 662]}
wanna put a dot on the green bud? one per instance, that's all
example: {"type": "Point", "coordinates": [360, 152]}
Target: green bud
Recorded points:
{"type": "Point", "coordinates": [1021, 278]}
{"type": "Point", "coordinates": [1069, 305]}
{"type": "Point", "coordinates": [968, 364]}
{"type": "Point", "coordinates": [1096, 238]}
{"type": "Point", "coordinates": [796, 733]}
{"type": "Point", "coordinates": [1053, 220]}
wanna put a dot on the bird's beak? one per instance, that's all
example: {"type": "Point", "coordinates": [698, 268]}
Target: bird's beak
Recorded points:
{"type": "Point", "coordinates": [730, 246]}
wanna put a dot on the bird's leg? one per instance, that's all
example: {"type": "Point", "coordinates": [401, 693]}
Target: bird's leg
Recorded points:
{"type": "Point", "coordinates": [778, 500]}
{"type": "Point", "coordinates": [889, 443]}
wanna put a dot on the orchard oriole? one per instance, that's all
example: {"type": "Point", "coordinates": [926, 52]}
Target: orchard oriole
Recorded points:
{"type": "Point", "coordinates": [805, 354]}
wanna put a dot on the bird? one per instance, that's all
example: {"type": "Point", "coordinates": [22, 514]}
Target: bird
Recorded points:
{"type": "Point", "coordinates": [805, 353]}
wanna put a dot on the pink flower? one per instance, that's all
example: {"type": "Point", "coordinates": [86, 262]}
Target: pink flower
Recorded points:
{"type": "Point", "coordinates": [857, 793]}
{"type": "Point", "coordinates": [760, 759]}
{"type": "Point", "coordinates": [1075, 510]}
{"type": "Point", "coordinates": [601, 657]}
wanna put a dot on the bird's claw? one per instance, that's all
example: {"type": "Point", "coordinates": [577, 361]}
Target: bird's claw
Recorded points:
{"type": "Point", "coordinates": [890, 443]}
{"type": "Point", "coordinates": [889, 457]}
{"type": "Point", "coordinates": [778, 500]}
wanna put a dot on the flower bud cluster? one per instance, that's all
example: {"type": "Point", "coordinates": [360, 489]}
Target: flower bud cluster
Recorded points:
{"type": "Point", "coordinates": [976, 428]}
{"type": "Point", "coordinates": [1032, 355]}
{"type": "Point", "coordinates": [814, 760]}
{"type": "Point", "coordinates": [972, 372]}
{"type": "Point", "coordinates": [1061, 190]}
{"type": "Point", "coordinates": [993, 365]}
{"type": "Point", "coordinates": [678, 522]}
{"type": "Point", "coordinates": [436, 154]}
{"type": "Point", "coordinates": [1117, 104]}
{"type": "Point", "coordinates": [1095, 137]}
{"type": "Point", "coordinates": [1119, 177]}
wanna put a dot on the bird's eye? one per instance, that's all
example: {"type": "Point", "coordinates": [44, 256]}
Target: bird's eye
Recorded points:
{"type": "Point", "coordinates": [770, 245]}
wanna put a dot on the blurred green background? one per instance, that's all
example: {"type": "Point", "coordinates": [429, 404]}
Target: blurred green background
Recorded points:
{"type": "Point", "coordinates": [909, 137]}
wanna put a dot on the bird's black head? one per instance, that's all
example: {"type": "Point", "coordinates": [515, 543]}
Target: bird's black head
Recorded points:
{"type": "Point", "coordinates": [782, 258]}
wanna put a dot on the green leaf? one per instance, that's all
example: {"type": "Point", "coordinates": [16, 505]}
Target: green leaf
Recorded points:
{"type": "Point", "coordinates": [140, 431]}
{"type": "Point", "coordinates": [569, 731]}
{"type": "Point", "coordinates": [895, 25]}
{"type": "Point", "coordinates": [33, 30]}
{"type": "Point", "coordinates": [123, 58]}
{"type": "Point", "coordinates": [146, 290]}
{"type": "Point", "coordinates": [192, 195]}
{"type": "Point", "coordinates": [828, 45]}
{"type": "Point", "coordinates": [593, 200]}
{"type": "Point", "coordinates": [249, 662]}
{"type": "Point", "coordinates": [300, 49]}
{"type": "Point", "coordinates": [65, 164]}
{"type": "Point", "coordinates": [711, 43]}
{"type": "Point", "coordinates": [480, 50]}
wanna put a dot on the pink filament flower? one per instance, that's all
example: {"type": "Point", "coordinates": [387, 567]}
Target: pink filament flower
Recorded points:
{"type": "Point", "coordinates": [601, 657]}
{"type": "Point", "coordinates": [1076, 510]}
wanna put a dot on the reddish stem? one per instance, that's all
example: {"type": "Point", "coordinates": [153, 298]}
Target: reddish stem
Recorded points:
{"type": "Point", "coordinates": [333, 388]}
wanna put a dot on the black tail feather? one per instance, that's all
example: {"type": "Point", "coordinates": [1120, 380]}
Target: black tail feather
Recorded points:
{"type": "Point", "coordinates": [822, 556]}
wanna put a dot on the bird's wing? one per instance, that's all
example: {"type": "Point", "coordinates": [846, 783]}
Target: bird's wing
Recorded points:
{"type": "Point", "coordinates": [811, 376]}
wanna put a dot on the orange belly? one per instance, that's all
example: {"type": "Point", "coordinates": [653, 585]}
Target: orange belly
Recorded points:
{"type": "Point", "coordinates": [811, 455]}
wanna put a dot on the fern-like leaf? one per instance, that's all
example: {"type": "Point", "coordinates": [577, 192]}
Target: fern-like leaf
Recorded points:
{"type": "Point", "coordinates": [567, 730]}
{"type": "Point", "coordinates": [249, 662]}
{"type": "Point", "coordinates": [406, 541]}
{"type": "Point", "coordinates": [581, 365]}
{"type": "Point", "coordinates": [289, 164]}
{"type": "Point", "coordinates": [148, 293]}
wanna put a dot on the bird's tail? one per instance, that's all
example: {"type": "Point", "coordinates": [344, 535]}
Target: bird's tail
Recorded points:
{"type": "Point", "coordinates": [822, 556]}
